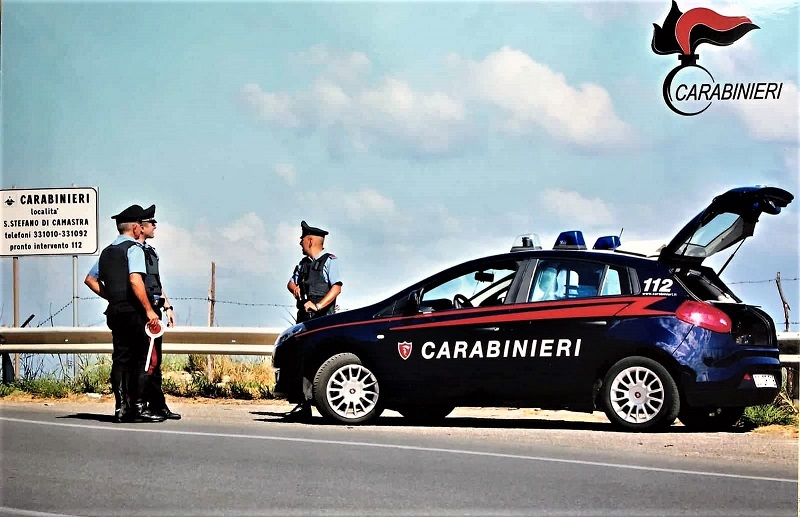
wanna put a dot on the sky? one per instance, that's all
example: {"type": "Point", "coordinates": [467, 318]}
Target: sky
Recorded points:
{"type": "Point", "coordinates": [418, 134]}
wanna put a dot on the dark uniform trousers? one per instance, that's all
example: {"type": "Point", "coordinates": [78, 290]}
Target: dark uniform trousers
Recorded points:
{"type": "Point", "coordinates": [129, 353]}
{"type": "Point", "coordinates": [154, 395]}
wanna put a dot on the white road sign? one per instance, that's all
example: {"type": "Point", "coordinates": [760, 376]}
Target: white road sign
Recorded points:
{"type": "Point", "coordinates": [48, 221]}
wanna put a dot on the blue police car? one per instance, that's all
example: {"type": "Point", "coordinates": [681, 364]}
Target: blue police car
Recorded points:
{"type": "Point", "coordinates": [647, 339]}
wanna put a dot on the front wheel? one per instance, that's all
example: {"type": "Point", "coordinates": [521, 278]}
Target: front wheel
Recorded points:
{"type": "Point", "coordinates": [640, 395]}
{"type": "Point", "coordinates": [710, 419]}
{"type": "Point", "coordinates": [346, 391]}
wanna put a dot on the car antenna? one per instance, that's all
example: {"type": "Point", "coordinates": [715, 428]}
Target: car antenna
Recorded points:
{"type": "Point", "coordinates": [620, 233]}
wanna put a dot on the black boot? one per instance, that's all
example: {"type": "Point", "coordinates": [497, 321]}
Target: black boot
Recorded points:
{"type": "Point", "coordinates": [167, 413]}
{"type": "Point", "coordinates": [140, 410]}
{"type": "Point", "coordinates": [119, 385]}
{"type": "Point", "coordinates": [143, 414]}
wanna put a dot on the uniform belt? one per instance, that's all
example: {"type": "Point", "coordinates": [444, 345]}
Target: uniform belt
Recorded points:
{"type": "Point", "coordinates": [158, 303]}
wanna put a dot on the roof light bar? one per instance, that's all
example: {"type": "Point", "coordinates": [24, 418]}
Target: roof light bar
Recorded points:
{"type": "Point", "coordinates": [570, 240]}
{"type": "Point", "coordinates": [526, 242]}
{"type": "Point", "coordinates": [608, 242]}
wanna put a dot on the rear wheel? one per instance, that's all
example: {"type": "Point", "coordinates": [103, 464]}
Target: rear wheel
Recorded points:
{"type": "Point", "coordinates": [346, 391]}
{"type": "Point", "coordinates": [422, 414]}
{"type": "Point", "coordinates": [710, 419]}
{"type": "Point", "coordinates": [640, 395]}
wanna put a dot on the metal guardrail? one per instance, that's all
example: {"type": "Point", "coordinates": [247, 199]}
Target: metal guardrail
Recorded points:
{"type": "Point", "coordinates": [201, 340]}
{"type": "Point", "coordinates": [178, 340]}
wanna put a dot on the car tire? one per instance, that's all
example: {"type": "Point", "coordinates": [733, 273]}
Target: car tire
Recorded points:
{"type": "Point", "coordinates": [422, 414]}
{"type": "Point", "coordinates": [639, 394]}
{"type": "Point", "coordinates": [709, 418]}
{"type": "Point", "coordinates": [346, 391]}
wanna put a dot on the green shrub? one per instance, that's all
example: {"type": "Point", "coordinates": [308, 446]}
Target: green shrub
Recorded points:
{"type": "Point", "coordinates": [780, 412]}
{"type": "Point", "coordinates": [264, 392]}
{"type": "Point", "coordinates": [242, 390]}
{"type": "Point", "coordinates": [47, 388]}
{"type": "Point", "coordinates": [95, 378]}
{"type": "Point", "coordinates": [196, 363]}
{"type": "Point", "coordinates": [171, 387]}
{"type": "Point", "coordinates": [174, 363]}
{"type": "Point", "coordinates": [7, 389]}
{"type": "Point", "coordinates": [205, 388]}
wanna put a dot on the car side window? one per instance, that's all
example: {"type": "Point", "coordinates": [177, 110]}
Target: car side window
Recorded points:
{"type": "Point", "coordinates": [562, 279]}
{"type": "Point", "coordinates": [611, 283]}
{"type": "Point", "coordinates": [482, 287]}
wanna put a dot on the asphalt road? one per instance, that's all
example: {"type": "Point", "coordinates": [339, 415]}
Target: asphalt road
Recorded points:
{"type": "Point", "coordinates": [70, 459]}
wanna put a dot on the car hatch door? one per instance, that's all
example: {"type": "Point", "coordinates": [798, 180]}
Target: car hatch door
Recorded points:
{"type": "Point", "coordinates": [729, 219]}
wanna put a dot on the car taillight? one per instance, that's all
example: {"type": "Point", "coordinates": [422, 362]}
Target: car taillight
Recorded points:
{"type": "Point", "coordinates": [704, 315]}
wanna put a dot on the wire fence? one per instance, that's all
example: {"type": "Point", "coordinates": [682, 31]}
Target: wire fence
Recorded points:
{"type": "Point", "coordinates": [281, 305]}
{"type": "Point", "coordinates": [52, 316]}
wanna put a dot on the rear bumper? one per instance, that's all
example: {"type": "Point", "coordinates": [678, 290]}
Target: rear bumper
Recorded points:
{"type": "Point", "coordinates": [739, 390]}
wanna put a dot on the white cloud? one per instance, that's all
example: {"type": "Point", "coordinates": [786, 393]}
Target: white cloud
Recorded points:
{"type": "Point", "coordinates": [574, 208]}
{"type": "Point", "coordinates": [287, 172]}
{"type": "Point", "coordinates": [243, 245]}
{"type": "Point", "coordinates": [274, 107]}
{"type": "Point", "coordinates": [772, 120]}
{"type": "Point", "coordinates": [532, 95]}
{"type": "Point", "coordinates": [753, 9]}
{"type": "Point", "coordinates": [340, 65]}
{"type": "Point", "coordinates": [393, 116]}
{"type": "Point", "coordinates": [776, 120]}
{"type": "Point", "coordinates": [791, 159]}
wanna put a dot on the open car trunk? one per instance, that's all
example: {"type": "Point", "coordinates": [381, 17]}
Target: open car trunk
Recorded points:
{"type": "Point", "coordinates": [751, 326]}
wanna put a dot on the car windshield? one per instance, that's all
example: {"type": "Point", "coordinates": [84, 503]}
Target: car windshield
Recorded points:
{"type": "Point", "coordinates": [481, 288]}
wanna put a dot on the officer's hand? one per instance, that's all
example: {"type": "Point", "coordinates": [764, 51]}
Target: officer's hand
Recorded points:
{"type": "Point", "coordinates": [152, 319]}
{"type": "Point", "coordinates": [310, 306]}
{"type": "Point", "coordinates": [170, 318]}
{"type": "Point", "coordinates": [296, 292]}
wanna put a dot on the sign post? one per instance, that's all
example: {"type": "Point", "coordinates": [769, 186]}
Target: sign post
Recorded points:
{"type": "Point", "coordinates": [48, 221]}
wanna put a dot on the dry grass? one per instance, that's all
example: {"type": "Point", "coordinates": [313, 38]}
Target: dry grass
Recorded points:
{"type": "Point", "coordinates": [243, 380]}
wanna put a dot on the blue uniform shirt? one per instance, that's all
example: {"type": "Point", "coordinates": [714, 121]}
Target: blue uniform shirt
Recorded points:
{"type": "Point", "coordinates": [330, 272]}
{"type": "Point", "coordinates": [135, 258]}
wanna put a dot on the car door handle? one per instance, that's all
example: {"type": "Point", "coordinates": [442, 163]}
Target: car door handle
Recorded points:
{"type": "Point", "coordinates": [597, 322]}
{"type": "Point", "coordinates": [489, 329]}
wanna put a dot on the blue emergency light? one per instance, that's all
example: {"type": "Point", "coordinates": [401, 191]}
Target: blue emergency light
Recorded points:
{"type": "Point", "coordinates": [608, 242]}
{"type": "Point", "coordinates": [570, 240]}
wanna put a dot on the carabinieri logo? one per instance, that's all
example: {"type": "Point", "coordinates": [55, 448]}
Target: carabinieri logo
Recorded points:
{"type": "Point", "coordinates": [681, 34]}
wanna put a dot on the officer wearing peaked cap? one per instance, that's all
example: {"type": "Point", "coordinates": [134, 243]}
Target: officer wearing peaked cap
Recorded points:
{"type": "Point", "coordinates": [316, 281]}
{"type": "Point", "coordinates": [152, 378]}
{"type": "Point", "coordinates": [315, 284]}
{"type": "Point", "coordinates": [118, 276]}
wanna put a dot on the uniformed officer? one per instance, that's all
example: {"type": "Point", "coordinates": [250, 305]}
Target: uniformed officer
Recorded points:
{"type": "Point", "coordinates": [154, 394]}
{"type": "Point", "coordinates": [316, 281]}
{"type": "Point", "coordinates": [315, 284]}
{"type": "Point", "coordinates": [117, 276]}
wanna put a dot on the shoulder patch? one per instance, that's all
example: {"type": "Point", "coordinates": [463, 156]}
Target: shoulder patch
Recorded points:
{"type": "Point", "coordinates": [331, 255]}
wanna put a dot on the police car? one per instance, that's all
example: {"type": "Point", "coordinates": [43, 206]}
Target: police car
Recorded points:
{"type": "Point", "coordinates": [647, 339]}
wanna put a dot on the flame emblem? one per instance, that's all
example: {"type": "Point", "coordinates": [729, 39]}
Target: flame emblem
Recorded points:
{"type": "Point", "coordinates": [681, 33]}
